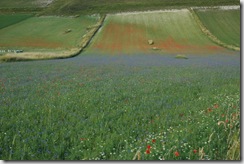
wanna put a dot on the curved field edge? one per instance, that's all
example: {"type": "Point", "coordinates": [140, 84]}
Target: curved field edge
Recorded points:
{"type": "Point", "coordinates": [27, 56]}
{"type": "Point", "coordinates": [223, 23]}
{"type": "Point", "coordinates": [210, 35]}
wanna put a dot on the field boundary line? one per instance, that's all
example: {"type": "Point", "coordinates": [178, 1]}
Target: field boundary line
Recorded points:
{"type": "Point", "coordinates": [28, 56]}
{"type": "Point", "coordinates": [209, 34]}
{"type": "Point", "coordinates": [91, 33]}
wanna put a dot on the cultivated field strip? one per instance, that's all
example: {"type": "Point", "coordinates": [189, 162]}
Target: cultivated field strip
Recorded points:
{"type": "Point", "coordinates": [52, 37]}
{"type": "Point", "coordinates": [173, 31]}
{"type": "Point", "coordinates": [222, 23]}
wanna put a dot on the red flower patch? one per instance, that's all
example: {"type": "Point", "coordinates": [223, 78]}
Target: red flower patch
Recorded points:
{"type": "Point", "coordinates": [177, 154]}
{"type": "Point", "coordinates": [148, 149]}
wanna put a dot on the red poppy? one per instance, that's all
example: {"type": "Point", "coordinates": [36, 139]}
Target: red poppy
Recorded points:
{"type": "Point", "coordinates": [194, 151]}
{"type": "Point", "coordinates": [177, 154]}
{"type": "Point", "coordinates": [153, 141]}
{"type": "Point", "coordinates": [226, 121]}
{"type": "Point", "coordinates": [148, 147]}
{"type": "Point", "coordinates": [216, 106]}
{"type": "Point", "coordinates": [148, 151]}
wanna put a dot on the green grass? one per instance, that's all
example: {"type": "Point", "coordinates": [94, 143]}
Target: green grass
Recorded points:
{"type": "Point", "coordinates": [46, 32]}
{"type": "Point", "coordinates": [224, 24]}
{"type": "Point", "coordinates": [80, 109]}
{"type": "Point", "coordinates": [171, 31]}
{"type": "Point", "coordinates": [10, 19]}
{"type": "Point", "coordinates": [112, 6]}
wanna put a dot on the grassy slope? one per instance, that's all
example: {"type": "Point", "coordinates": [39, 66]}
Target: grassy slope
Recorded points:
{"type": "Point", "coordinates": [108, 6]}
{"type": "Point", "coordinates": [46, 32]}
{"type": "Point", "coordinates": [10, 19]}
{"type": "Point", "coordinates": [22, 3]}
{"type": "Point", "coordinates": [172, 32]}
{"type": "Point", "coordinates": [224, 24]}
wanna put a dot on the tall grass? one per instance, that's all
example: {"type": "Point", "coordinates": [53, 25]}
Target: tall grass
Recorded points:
{"type": "Point", "coordinates": [78, 109]}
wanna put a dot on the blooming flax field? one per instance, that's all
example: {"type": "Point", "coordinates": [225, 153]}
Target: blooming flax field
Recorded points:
{"type": "Point", "coordinates": [143, 104]}
{"type": "Point", "coordinates": [140, 107]}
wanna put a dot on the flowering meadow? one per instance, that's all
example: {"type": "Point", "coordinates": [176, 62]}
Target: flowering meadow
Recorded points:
{"type": "Point", "coordinates": [140, 107]}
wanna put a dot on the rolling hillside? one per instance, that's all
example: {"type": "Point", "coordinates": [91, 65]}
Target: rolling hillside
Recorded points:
{"type": "Point", "coordinates": [173, 31]}
{"type": "Point", "coordinates": [113, 6]}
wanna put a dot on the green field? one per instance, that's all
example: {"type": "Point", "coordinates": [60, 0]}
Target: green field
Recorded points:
{"type": "Point", "coordinates": [46, 32]}
{"type": "Point", "coordinates": [173, 31]}
{"type": "Point", "coordinates": [10, 19]}
{"type": "Point", "coordinates": [114, 6]}
{"type": "Point", "coordinates": [224, 24]}
{"type": "Point", "coordinates": [23, 3]}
